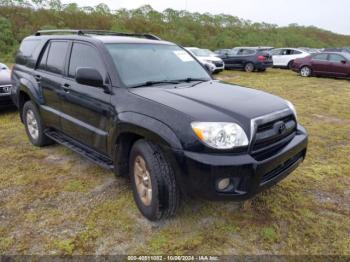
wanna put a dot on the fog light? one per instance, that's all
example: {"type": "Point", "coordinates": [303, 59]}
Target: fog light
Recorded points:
{"type": "Point", "coordinates": [224, 184]}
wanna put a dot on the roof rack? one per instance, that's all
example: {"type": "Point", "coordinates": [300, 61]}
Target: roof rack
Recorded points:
{"type": "Point", "coordinates": [94, 32]}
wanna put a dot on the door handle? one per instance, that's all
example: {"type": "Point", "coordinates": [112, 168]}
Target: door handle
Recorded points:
{"type": "Point", "coordinates": [66, 87]}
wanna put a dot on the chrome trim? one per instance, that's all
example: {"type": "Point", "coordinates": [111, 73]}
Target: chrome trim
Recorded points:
{"type": "Point", "coordinates": [5, 93]}
{"type": "Point", "coordinates": [265, 119]}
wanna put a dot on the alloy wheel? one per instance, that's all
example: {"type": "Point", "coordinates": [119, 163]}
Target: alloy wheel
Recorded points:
{"type": "Point", "coordinates": [305, 71]}
{"type": "Point", "coordinates": [143, 181]}
{"type": "Point", "coordinates": [32, 124]}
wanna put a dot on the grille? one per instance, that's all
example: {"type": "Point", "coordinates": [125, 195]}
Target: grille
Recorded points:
{"type": "Point", "coordinates": [272, 136]}
{"type": "Point", "coordinates": [218, 64]}
{"type": "Point", "coordinates": [5, 89]}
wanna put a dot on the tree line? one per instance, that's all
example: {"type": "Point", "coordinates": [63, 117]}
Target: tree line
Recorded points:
{"type": "Point", "coordinates": [19, 18]}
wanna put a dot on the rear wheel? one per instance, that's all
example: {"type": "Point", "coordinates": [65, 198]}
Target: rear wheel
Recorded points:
{"type": "Point", "coordinates": [305, 71]}
{"type": "Point", "coordinates": [34, 125]}
{"type": "Point", "coordinates": [249, 67]}
{"type": "Point", "coordinates": [153, 182]}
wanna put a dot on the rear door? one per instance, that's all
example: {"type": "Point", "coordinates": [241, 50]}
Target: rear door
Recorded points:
{"type": "Point", "coordinates": [49, 74]}
{"type": "Point", "coordinates": [339, 66]}
{"type": "Point", "coordinates": [231, 57]}
{"type": "Point", "coordinates": [86, 109]}
{"type": "Point", "coordinates": [320, 64]}
{"type": "Point", "coordinates": [277, 57]}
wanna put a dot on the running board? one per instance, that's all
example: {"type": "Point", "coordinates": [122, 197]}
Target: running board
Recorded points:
{"type": "Point", "coordinates": [81, 149]}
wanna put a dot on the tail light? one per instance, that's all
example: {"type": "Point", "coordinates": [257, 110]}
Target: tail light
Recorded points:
{"type": "Point", "coordinates": [261, 58]}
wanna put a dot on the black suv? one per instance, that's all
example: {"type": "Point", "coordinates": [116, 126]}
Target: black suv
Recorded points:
{"type": "Point", "coordinates": [247, 58]}
{"type": "Point", "coordinates": [148, 109]}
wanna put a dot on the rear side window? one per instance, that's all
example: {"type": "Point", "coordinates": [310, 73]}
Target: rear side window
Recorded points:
{"type": "Point", "coordinates": [85, 56]}
{"type": "Point", "coordinates": [336, 58]}
{"type": "Point", "coordinates": [28, 51]}
{"type": "Point", "coordinates": [247, 52]}
{"type": "Point", "coordinates": [56, 57]}
{"type": "Point", "coordinates": [296, 52]}
{"type": "Point", "coordinates": [322, 57]}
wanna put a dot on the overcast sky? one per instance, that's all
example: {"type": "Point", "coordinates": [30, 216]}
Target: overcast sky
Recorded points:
{"type": "Point", "coordinates": [332, 15]}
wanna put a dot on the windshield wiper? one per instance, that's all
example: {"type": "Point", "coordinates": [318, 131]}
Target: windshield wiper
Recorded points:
{"type": "Point", "coordinates": [151, 83]}
{"type": "Point", "coordinates": [191, 79]}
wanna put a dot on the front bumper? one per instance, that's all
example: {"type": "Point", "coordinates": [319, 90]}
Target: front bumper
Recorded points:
{"type": "Point", "coordinates": [5, 100]}
{"type": "Point", "coordinates": [199, 173]}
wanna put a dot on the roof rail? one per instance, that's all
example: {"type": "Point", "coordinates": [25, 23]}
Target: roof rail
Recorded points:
{"type": "Point", "coordinates": [95, 32]}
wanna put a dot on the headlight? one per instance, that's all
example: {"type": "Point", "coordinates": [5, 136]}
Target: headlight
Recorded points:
{"type": "Point", "coordinates": [220, 135]}
{"type": "Point", "coordinates": [292, 107]}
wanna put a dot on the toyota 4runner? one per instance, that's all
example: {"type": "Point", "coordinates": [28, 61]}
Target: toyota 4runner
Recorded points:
{"type": "Point", "coordinates": [147, 109]}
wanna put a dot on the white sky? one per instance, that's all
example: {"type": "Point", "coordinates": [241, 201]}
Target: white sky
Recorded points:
{"type": "Point", "coordinates": [332, 15]}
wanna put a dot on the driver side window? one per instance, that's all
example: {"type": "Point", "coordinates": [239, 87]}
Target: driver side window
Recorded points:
{"type": "Point", "coordinates": [84, 55]}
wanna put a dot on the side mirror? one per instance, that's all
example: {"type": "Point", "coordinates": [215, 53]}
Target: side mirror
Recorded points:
{"type": "Point", "coordinates": [89, 76]}
{"type": "Point", "coordinates": [343, 61]}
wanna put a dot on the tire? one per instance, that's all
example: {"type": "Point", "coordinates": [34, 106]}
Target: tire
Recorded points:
{"type": "Point", "coordinates": [153, 181]}
{"type": "Point", "coordinates": [305, 71]}
{"type": "Point", "coordinates": [249, 67]}
{"type": "Point", "coordinates": [34, 125]}
{"type": "Point", "coordinates": [290, 64]}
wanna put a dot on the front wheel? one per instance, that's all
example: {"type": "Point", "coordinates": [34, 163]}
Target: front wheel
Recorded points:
{"type": "Point", "coordinates": [249, 67]}
{"type": "Point", "coordinates": [305, 71]}
{"type": "Point", "coordinates": [153, 181]}
{"type": "Point", "coordinates": [34, 125]}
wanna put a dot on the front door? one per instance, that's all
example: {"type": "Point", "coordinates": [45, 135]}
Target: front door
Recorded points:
{"type": "Point", "coordinates": [339, 66]}
{"type": "Point", "coordinates": [86, 109]}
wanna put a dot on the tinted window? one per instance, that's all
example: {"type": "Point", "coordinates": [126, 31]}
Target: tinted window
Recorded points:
{"type": "Point", "coordinates": [84, 56]}
{"type": "Point", "coordinates": [56, 57]}
{"type": "Point", "coordinates": [139, 63]}
{"type": "Point", "coordinates": [320, 57]}
{"type": "Point", "coordinates": [42, 64]}
{"type": "Point", "coordinates": [246, 52]}
{"type": "Point", "coordinates": [335, 58]}
{"type": "Point", "coordinates": [26, 51]}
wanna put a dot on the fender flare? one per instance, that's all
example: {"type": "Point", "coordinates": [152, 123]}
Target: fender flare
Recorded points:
{"type": "Point", "coordinates": [32, 91]}
{"type": "Point", "coordinates": [145, 126]}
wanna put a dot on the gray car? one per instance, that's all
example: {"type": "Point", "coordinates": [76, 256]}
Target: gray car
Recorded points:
{"type": "Point", "coordinates": [5, 86]}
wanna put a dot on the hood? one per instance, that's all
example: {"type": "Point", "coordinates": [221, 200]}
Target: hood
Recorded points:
{"type": "Point", "coordinates": [5, 77]}
{"type": "Point", "coordinates": [210, 58]}
{"type": "Point", "coordinates": [215, 101]}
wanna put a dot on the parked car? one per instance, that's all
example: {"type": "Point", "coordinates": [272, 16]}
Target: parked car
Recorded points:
{"type": "Point", "coordinates": [247, 58]}
{"type": "Point", "coordinates": [324, 64]}
{"type": "Point", "coordinates": [221, 52]}
{"type": "Point", "coordinates": [342, 49]}
{"type": "Point", "coordinates": [205, 56]}
{"type": "Point", "coordinates": [170, 127]}
{"type": "Point", "coordinates": [5, 86]}
{"type": "Point", "coordinates": [284, 57]}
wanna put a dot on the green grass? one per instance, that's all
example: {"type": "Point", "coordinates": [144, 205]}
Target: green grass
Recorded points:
{"type": "Point", "coordinates": [54, 202]}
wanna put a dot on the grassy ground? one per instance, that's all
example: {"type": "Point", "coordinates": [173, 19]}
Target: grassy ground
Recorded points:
{"type": "Point", "coordinates": [54, 202]}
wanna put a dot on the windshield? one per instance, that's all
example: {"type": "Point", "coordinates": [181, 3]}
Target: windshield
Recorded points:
{"type": "Point", "coordinates": [140, 63]}
{"type": "Point", "coordinates": [202, 52]}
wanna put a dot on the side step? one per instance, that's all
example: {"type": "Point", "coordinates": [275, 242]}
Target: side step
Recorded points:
{"type": "Point", "coordinates": [81, 149]}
